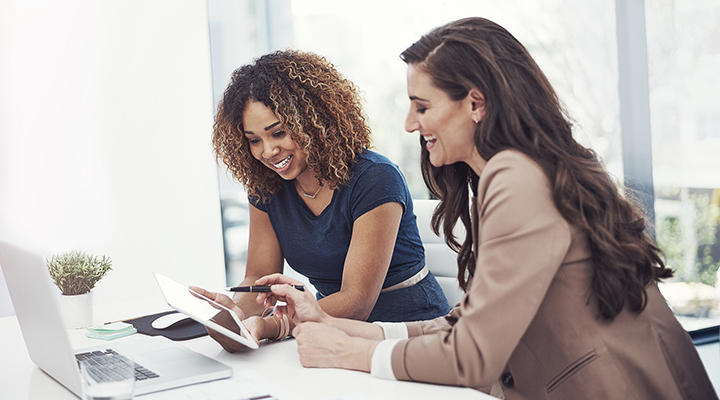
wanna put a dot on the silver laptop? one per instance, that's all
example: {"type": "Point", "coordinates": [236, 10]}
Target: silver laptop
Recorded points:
{"type": "Point", "coordinates": [38, 313]}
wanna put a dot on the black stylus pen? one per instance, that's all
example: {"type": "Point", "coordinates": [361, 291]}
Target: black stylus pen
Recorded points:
{"type": "Point", "coordinates": [259, 288]}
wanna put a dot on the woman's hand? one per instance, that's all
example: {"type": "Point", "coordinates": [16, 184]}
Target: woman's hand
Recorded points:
{"type": "Point", "coordinates": [254, 324]}
{"type": "Point", "coordinates": [323, 346]}
{"type": "Point", "coordinates": [301, 306]}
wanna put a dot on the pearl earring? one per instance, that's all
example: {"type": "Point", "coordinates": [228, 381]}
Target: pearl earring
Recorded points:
{"type": "Point", "coordinates": [475, 118]}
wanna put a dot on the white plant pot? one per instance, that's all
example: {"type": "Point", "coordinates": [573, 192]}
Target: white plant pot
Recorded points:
{"type": "Point", "coordinates": [77, 310]}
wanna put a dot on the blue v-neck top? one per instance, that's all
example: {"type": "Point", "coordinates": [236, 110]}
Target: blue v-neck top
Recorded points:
{"type": "Point", "coordinates": [316, 246]}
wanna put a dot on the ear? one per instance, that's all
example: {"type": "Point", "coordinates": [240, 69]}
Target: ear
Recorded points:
{"type": "Point", "coordinates": [477, 100]}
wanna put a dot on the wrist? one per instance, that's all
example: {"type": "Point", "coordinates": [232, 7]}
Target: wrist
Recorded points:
{"type": "Point", "coordinates": [360, 358]}
{"type": "Point", "coordinates": [278, 329]}
{"type": "Point", "coordinates": [271, 328]}
{"type": "Point", "coordinates": [238, 309]}
{"type": "Point", "coordinates": [328, 319]}
{"type": "Point", "coordinates": [369, 354]}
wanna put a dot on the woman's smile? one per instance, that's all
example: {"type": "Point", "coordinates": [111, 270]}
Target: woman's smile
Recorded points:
{"type": "Point", "coordinates": [281, 166]}
{"type": "Point", "coordinates": [429, 141]}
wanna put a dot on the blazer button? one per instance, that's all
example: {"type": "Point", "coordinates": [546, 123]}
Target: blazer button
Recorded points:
{"type": "Point", "coordinates": [507, 380]}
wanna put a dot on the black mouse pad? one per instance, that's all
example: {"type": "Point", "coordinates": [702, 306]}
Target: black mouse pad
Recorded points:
{"type": "Point", "coordinates": [182, 330]}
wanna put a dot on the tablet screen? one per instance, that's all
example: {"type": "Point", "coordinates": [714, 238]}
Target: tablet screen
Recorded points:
{"type": "Point", "coordinates": [216, 316]}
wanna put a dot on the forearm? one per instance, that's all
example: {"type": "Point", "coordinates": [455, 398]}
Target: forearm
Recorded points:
{"type": "Point", "coordinates": [347, 304]}
{"type": "Point", "coordinates": [359, 329]}
{"type": "Point", "coordinates": [354, 328]}
{"type": "Point", "coordinates": [324, 346]}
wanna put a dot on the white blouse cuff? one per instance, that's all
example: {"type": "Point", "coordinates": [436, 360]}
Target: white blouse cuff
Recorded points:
{"type": "Point", "coordinates": [381, 364]}
{"type": "Point", "coordinates": [393, 330]}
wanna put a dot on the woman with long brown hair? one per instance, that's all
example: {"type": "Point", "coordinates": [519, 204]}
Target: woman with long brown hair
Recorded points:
{"type": "Point", "coordinates": [560, 275]}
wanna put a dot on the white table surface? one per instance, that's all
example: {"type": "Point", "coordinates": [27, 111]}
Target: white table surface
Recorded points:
{"type": "Point", "coordinates": [276, 364]}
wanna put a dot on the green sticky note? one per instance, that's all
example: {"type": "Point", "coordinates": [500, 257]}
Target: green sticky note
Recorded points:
{"type": "Point", "coordinates": [111, 328]}
{"type": "Point", "coordinates": [112, 335]}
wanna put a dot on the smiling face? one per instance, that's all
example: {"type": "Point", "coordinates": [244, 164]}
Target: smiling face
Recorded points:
{"type": "Point", "coordinates": [271, 144]}
{"type": "Point", "coordinates": [447, 126]}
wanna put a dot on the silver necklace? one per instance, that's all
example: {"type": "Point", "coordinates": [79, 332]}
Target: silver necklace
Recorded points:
{"type": "Point", "coordinates": [308, 195]}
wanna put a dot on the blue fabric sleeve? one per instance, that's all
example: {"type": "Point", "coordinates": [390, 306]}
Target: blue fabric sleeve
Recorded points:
{"type": "Point", "coordinates": [380, 184]}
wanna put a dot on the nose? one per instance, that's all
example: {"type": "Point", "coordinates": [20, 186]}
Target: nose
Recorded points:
{"type": "Point", "coordinates": [411, 122]}
{"type": "Point", "coordinates": [270, 149]}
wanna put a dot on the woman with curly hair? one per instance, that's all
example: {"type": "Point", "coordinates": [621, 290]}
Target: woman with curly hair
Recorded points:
{"type": "Point", "coordinates": [291, 129]}
{"type": "Point", "coordinates": [561, 300]}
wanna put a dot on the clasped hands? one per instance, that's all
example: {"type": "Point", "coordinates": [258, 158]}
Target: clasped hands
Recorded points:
{"type": "Point", "coordinates": [320, 342]}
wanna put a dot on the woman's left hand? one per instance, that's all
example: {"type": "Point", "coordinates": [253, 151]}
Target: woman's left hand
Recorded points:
{"type": "Point", "coordinates": [301, 306]}
{"type": "Point", "coordinates": [254, 324]}
{"type": "Point", "coordinates": [323, 346]}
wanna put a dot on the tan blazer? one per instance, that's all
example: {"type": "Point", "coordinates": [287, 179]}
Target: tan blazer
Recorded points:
{"type": "Point", "coordinates": [528, 318]}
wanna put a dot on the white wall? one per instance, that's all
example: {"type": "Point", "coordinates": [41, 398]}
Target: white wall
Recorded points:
{"type": "Point", "coordinates": [105, 123]}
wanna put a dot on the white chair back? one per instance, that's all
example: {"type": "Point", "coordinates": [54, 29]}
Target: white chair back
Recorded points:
{"type": "Point", "coordinates": [439, 258]}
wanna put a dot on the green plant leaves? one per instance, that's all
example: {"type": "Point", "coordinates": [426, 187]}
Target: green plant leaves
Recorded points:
{"type": "Point", "coordinates": [76, 272]}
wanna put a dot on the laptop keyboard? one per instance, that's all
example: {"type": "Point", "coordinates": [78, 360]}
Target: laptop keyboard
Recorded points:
{"type": "Point", "coordinates": [108, 360]}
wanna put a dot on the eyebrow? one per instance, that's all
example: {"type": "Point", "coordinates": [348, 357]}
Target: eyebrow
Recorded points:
{"type": "Point", "coordinates": [417, 98]}
{"type": "Point", "coordinates": [267, 128]}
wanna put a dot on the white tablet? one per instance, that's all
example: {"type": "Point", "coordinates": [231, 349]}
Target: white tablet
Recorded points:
{"type": "Point", "coordinates": [199, 308]}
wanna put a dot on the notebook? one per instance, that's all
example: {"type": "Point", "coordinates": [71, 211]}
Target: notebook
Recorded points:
{"type": "Point", "coordinates": [48, 344]}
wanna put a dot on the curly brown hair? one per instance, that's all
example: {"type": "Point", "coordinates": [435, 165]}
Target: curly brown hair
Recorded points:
{"type": "Point", "coordinates": [524, 113]}
{"type": "Point", "coordinates": [319, 108]}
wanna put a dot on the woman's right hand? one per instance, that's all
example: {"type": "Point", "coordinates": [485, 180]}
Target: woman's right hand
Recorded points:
{"type": "Point", "coordinates": [254, 324]}
{"type": "Point", "coordinates": [301, 306]}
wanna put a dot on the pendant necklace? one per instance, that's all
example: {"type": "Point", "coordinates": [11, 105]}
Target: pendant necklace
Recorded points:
{"type": "Point", "coordinates": [308, 195]}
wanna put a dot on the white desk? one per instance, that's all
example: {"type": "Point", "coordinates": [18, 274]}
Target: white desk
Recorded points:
{"type": "Point", "coordinates": [278, 362]}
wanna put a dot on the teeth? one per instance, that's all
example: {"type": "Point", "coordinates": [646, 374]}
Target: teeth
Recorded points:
{"type": "Point", "coordinates": [282, 163]}
{"type": "Point", "coordinates": [429, 138]}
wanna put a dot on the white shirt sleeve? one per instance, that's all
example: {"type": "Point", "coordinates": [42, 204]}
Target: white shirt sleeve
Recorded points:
{"type": "Point", "coordinates": [393, 330]}
{"type": "Point", "coordinates": [381, 364]}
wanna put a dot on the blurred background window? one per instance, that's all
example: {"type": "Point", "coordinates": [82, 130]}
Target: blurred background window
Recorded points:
{"type": "Point", "coordinates": [684, 78]}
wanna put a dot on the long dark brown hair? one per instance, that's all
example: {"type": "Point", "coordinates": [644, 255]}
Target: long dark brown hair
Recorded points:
{"type": "Point", "coordinates": [524, 113]}
{"type": "Point", "coordinates": [320, 109]}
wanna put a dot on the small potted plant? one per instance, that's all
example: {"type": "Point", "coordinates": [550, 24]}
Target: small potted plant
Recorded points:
{"type": "Point", "coordinates": [75, 273]}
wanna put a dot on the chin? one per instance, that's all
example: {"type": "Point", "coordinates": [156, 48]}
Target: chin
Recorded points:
{"type": "Point", "coordinates": [436, 163]}
{"type": "Point", "coordinates": [284, 175]}
{"type": "Point", "coordinates": [287, 176]}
